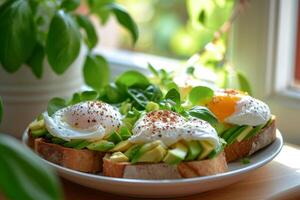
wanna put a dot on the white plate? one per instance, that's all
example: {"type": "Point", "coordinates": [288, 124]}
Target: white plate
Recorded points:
{"type": "Point", "coordinates": [171, 188]}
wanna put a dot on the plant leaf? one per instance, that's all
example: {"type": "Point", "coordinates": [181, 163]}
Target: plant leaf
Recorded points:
{"type": "Point", "coordinates": [203, 113]}
{"type": "Point", "coordinates": [89, 95]}
{"type": "Point", "coordinates": [1, 110]}
{"type": "Point", "coordinates": [133, 78]}
{"type": "Point", "coordinates": [76, 98]}
{"type": "Point", "coordinates": [63, 42]}
{"type": "Point", "coordinates": [91, 35]}
{"type": "Point", "coordinates": [200, 95]}
{"type": "Point", "coordinates": [98, 7]}
{"type": "Point", "coordinates": [23, 175]}
{"type": "Point", "coordinates": [202, 17]}
{"type": "Point", "coordinates": [173, 95]}
{"type": "Point", "coordinates": [113, 94]}
{"type": "Point", "coordinates": [153, 70]}
{"type": "Point", "coordinates": [55, 104]}
{"type": "Point", "coordinates": [70, 5]}
{"type": "Point", "coordinates": [35, 61]}
{"type": "Point", "coordinates": [96, 72]}
{"type": "Point", "coordinates": [124, 19]}
{"type": "Point", "coordinates": [17, 34]}
{"type": "Point", "coordinates": [244, 83]}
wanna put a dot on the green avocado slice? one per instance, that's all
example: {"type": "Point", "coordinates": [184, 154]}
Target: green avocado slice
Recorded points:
{"type": "Point", "coordinates": [154, 155]}
{"type": "Point", "coordinates": [254, 131]}
{"type": "Point", "coordinates": [229, 132]}
{"type": "Point", "coordinates": [176, 155]}
{"type": "Point", "coordinates": [234, 135]}
{"type": "Point", "coordinates": [132, 151]}
{"type": "Point", "coordinates": [101, 145]}
{"type": "Point", "coordinates": [194, 150]}
{"type": "Point", "coordinates": [73, 143]}
{"type": "Point", "coordinates": [114, 137]}
{"type": "Point", "coordinates": [144, 149]}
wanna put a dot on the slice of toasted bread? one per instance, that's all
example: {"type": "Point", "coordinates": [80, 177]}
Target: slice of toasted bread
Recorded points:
{"type": "Point", "coordinates": [163, 170]}
{"type": "Point", "coordinates": [81, 160]}
{"type": "Point", "coordinates": [238, 150]}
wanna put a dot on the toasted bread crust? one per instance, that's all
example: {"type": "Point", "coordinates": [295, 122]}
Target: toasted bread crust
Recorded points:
{"type": "Point", "coordinates": [80, 160]}
{"type": "Point", "coordinates": [247, 147]}
{"type": "Point", "coordinates": [165, 171]}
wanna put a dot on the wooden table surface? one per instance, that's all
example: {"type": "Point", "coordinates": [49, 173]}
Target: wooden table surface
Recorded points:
{"type": "Point", "coordinates": [282, 174]}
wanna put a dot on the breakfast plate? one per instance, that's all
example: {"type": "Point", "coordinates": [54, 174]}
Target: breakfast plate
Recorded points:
{"type": "Point", "coordinates": [171, 187]}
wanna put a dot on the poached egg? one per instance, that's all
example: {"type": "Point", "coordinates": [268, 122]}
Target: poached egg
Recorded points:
{"type": "Point", "coordinates": [91, 120]}
{"type": "Point", "coordinates": [235, 107]}
{"type": "Point", "coordinates": [170, 127]}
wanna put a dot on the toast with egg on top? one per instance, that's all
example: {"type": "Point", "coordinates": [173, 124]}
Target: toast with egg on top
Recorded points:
{"type": "Point", "coordinates": [250, 125]}
{"type": "Point", "coordinates": [165, 145]}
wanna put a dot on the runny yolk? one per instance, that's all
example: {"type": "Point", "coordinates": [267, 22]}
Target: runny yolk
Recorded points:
{"type": "Point", "coordinates": [223, 106]}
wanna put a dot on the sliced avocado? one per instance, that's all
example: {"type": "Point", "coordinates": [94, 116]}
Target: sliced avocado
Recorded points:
{"type": "Point", "coordinates": [234, 135]}
{"type": "Point", "coordinates": [57, 140]}
{"type": "Point", "coordinates": [144, 149]}
{"type": "Point", "coordinates": [130, 153]}
{"type": "Point", "coordinates": [122, 146]}
{"type": "Point", "coordinates": [221, 128]}
{"type": "Point", "coordinates": [73, 143]}
{"type": "Point", "coordinates": [124, 133]}
{"type": "Point", "coordinates": [176, 155]}
{"type": "Point", "coordinates": [48, 136]}
{"type": "Point", "coordinates": [216, 151]}
{"type": "Point", "coordinates": [114, 137]}
{"type": "Point", "coordinates": [194, 150]}
{"type": "Point", "coordinates": [254, 131]}
{"type": "Point", "coordinates": [39, 132]}
{"type": "Point", "coordinates": [207, 148]}
{"type": "Point", "coordinates": [243, 134]}
{"type": "Point", "coordinates": [101, 145]}
{"type": "Point", "coordinates": [82, 145]}
{"type": "Point", "coordinates": [37, 125]}
{"type": "Point", "coordinates": [118, 157]}
{"type": "Point", "coordinates": [154, 155]}
{"type": "Point", "coordinates": [229, 132]}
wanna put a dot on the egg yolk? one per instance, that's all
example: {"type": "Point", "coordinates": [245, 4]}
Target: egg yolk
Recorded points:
{"type": "Point", "coordinates": [223, 106]}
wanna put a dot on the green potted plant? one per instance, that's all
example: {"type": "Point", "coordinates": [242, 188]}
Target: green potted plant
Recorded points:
{"type": "Point", "coordinates": [45, 45]}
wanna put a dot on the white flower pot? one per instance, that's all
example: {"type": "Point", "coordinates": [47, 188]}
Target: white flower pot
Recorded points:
{"type": "Point", "coordinates": [24, 96]}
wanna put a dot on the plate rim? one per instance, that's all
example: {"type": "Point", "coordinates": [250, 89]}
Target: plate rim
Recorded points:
{"type": "Point", "coordinates": [219, 176]}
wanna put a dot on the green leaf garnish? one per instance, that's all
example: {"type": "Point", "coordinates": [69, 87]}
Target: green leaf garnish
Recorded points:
{"type": "Point", "coordinates": [245, 161]}
{"type": "Point", "coordinates": [203, 113]}
{"type": "Point", "coordinates": [55, 104]}
{"type": "Point", "coordinates": [132, 78]}
{"type": "Point", "coordinates": [200, 95]}
{"type": "Point", "coordinates": [173, 95]}
{"type": "Point", "coordinates": [63, 42]}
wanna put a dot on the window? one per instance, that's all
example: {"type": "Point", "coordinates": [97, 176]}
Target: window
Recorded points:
{"type": "Point", "coordinates": [264, 48]}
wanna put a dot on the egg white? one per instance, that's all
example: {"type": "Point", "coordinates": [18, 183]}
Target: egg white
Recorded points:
{"type": "Point", "coordinates": [249, 111]}
{"type": "Point", "coordinates": [170, 127]}
{"type": "Point", "coordinates": [85, 120]}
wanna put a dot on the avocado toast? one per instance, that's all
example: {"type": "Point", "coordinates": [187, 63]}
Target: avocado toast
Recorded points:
{"type": "Point", "coordinates": [165, 145]}
{"type": "Point", "coordinates": [247, 123]}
